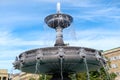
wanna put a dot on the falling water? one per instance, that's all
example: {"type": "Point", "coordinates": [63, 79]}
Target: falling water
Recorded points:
{"type": "Point", "coordinates": [58, 7]}
{"type": "Point", "coordinates": [36, 69]}
{"type": "Point", "coordinates": [99, 73]}
{"type": "Point", "coordinates": [87, 70]}
{"type": "Point", "coordinates": [83, 55]}
{"type": "Point", "coordinates": [73, 32]}
{"type": "Point", "coordinates": [106, 71]}
{"type": "Point", "coordinates": [61, 73]}
{"type": "Point", "coordinates": [104, 65]}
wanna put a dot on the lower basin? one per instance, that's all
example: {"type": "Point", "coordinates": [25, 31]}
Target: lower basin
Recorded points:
{"type": "Point", "coordinates": [51, 60]}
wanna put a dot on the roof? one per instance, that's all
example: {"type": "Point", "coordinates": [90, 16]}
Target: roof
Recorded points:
{"type": "Point", "coordinates": [112, 50]}
{"type": "Point", "coordinates": [3, 71]}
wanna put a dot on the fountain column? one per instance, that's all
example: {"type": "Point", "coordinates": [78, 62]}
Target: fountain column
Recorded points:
{"type": "Point", "coordinates": [59, 37]}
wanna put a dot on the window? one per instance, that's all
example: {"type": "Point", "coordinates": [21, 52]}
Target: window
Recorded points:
{"type": "Point", "coordinates": [114, 58]}
{"type": "Point", "coordinates": [4, 78]}
{"type": "Point", "coordinates": [117, 73]}
{"type": "Point", "coordinates": [118, 57]}
{"type": "Point", "coordinates": [113, 65]}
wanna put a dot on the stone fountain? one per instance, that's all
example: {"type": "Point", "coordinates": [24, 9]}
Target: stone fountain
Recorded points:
{"type": "Point", "coordinates": [60, 60]}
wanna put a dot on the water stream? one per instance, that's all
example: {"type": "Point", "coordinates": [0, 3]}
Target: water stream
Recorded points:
{"type": "Point", "coordinates": [100, 73]}
{"type": "Point", "coordinates": [36, 69]}
{"type": "Point", "coordinates": [104, 65]}
{"type": "Point", "coordinates": [61, 66]}
{"type": "Point", "coordinates": [87, 69]}
{"type": "Point", "coordinates": [106, 70]}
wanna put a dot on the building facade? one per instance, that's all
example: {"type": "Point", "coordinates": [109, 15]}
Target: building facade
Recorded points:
{"type": "Point", "coordinates": [3, 74]}
{"type": "Point", "coordinates": [24, 76]}
{"type": "Point", "coordinates": [113, 56]}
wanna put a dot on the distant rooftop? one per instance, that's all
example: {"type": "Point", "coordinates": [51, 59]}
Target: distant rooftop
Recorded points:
{"type": "Point", "coordinates": [112, 50]}
{"type": "Point", "coordinates": [3, 71]}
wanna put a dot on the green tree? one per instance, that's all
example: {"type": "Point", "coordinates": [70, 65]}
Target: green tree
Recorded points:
{"type": "Point", "coordinates": [32, 78]}
{"type": "Point", "coordinates": [96, 75]}
{"type": "Point", "coordinates": [45, 77]}
{"type": "Point", "coordinates": [81, 76]}
{"type": "Point", "coordinates": [113, 76]}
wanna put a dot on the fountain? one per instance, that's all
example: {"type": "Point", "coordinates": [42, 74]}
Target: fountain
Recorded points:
{"type": "Point", "coordinates": [60, 60]}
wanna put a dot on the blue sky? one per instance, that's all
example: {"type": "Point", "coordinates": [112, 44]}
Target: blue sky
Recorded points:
{"type": "Point", "coordinates": [96, 25]}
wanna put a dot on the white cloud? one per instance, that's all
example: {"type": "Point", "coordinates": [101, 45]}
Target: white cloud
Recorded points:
{"type": "Point", "coordinates": [19, 2]}
{"type": "Point", "coordinates": [101, 44]}
{"type": "Point", "coordinates": [79, 3]}
{"type": "Point", "coordinates": [19, 42]}
{"type": "Point", "coordinates": [108, 14]}
{"type": "Point", "coordinates": [96, 38]}
{"type": "Point", "coordinates": [7, 54]}
{"type": "Point", "coordinates": [88, 36]}
{"type": "Point", "coordinates": [18, 19]}
{"type": "Point", "coordinates": [10, 40]}
{"type": "Point", "coordinates": [6, 64]}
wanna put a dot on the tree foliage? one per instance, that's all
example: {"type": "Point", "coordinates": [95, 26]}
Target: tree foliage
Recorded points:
{"type": "Point", "coordinates": [96, 75]}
